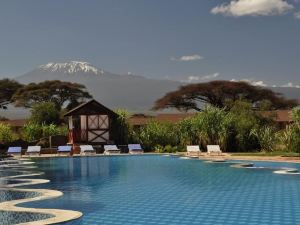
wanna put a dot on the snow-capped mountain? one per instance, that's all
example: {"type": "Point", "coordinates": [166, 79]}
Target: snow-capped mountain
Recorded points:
{"type": "Point", "coordinates": [132, 92]}
{"type": "Point", "coordinates": [71, 68]}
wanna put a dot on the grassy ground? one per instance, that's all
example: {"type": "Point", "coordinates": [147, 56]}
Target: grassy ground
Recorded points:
{"type": "Point", "coordinates": [275, 153]}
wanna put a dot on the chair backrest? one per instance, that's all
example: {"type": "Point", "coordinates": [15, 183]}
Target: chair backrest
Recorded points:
{"type": "Point", "coordinates": [134, 147]}
{"type": "Point", "coordinates": [14, 150]}
{"type": "Point", "coordinates": [213, 148]}
{"type": "Point", "coordinates": [193, 148]}
{"type": "Point", "coordinates": [110, 147]}
{"type": "Point", "coordinates": [64, 148]}
{"type": "Point", "coordinates": [34, 148]}
{"type": "Point", "coordinates": [84, 148]}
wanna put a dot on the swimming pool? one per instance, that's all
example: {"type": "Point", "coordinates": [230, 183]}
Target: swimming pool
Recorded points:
{"type": "Point", "coordinates": [169, 190]}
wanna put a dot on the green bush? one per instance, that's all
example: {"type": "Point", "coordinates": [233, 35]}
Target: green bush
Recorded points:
{"type": "Point", "coordinates": [267, 137]}
{"type": "Point", "coordinates": [52, 130]}
{"type": "Point", "coordinates": [33, 132]}
{"type": "Point", "coordinates": [122, 128]}
{"type": "Point", "coordinates": [156, 133]}
{"type": "Point", "coordinates": [290, 136]}
{"type": "Point", "coordinates": [211, 126]}
{"type": "Point", "coordinates": [167, 149]}
{"type": "Point", "coordinates": [296, 115]}
{"type": "Point", "coordinates": [6, 134]}
{"type": "Point", "coordinates": [239, 129]}
{"type": "Point", "coordinates": [244, 121]}
{"type": "Point", "coordinates": [45, 113]}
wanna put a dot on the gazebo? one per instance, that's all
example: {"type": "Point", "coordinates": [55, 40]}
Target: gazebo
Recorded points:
{"type": "Point", "coordinates": [90, 123]}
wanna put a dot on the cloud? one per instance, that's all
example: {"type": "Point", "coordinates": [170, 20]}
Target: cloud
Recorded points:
{"type": "Point", "coordinates": [187, 58]}
{"type": "Point", "coordinates": [259, 83]}
{"type": "Point", "coordinates": [192, 79]}
{"type": "Point", "coordinates": [291, 85]}
{"type": "Point", "coordinates": [237, 8]}
{"type": "Point", "coordinates": [297, 15]}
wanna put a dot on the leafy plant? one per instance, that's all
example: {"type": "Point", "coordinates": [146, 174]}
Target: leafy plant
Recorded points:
{"type": "Point", "coordinates": [33, 132]}
{"type": "Point", "coordinates": [244, 121]}
{"type": "Point", "coordinates": [6, 133]}
{"type": "Point", "coordinates": [45, 113]}
{"type": "Point", "coordinates": [290, 138]}
{"type": "Point", "coordinates": [156, 133]}
{"type": "Point", "coordinates": [266, 137]}
{"type": "Point", "coordinates": [213, 126]}
{"type": "Point", "coordinates": [122, 127]}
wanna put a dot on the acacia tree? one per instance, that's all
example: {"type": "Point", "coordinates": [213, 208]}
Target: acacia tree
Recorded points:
{"type": "Point", "coordinates": [220, 94]}
{"type": "Point", "coordinates": [61, 93]}
{"type": "Point", "coordinates": [7, 89]}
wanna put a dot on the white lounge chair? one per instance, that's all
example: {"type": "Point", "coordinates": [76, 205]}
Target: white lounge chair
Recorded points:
{"type": "Point", "coordinates": [34, 150]}
{"type": "Point", "coordinates": [64, 149]}
{"type": "Point", "coordinates": [193, 150]}
{"type": "Point", "coordinates": [214, 149]}
{"type": "Point", "coordinates": [14, 151]}
{"type": "Point", "coordinates": [135, 149]}
{"type": "Point", "coordinates": [111, 149]}
{"type": "Point", "coordinates": [87, 149]}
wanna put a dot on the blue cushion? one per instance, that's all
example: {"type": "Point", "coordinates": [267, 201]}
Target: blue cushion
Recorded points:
{"type": "Point", "coordinates": [110, 148]}
{"type": "Point", "coordinates": [14, 150]}
{"type": "Point", "coordinates": [133, 147]}
{"type": "Point", "coordinates": [64, 148]}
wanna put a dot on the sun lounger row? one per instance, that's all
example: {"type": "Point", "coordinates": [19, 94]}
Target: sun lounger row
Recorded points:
{"type": "Point", "coordinates": [30, 150]}
{"type": "Point", "coordinates": [84, 149]}
{"type": "Point", "coordinates": [194, 150]}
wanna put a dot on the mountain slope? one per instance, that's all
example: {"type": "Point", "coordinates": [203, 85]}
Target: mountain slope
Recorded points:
{"type": "Point", "coordinates": [132, 92]}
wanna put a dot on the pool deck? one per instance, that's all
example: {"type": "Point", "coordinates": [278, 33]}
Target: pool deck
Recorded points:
{"type": "Point", "coordinates": [224, 156]}
{"type": "Point", "coordinates": [265, 158]}
{"type": "Point", "coordinates": [228, 156]}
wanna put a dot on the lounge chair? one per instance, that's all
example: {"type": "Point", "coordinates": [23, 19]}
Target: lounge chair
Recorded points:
{"type": "Point", "coordinates": [193, 150]}
{"type": "Point", "coordinates": [14, 151]}
{"type": "Point", "coordinates": [214, 149]}
{"type": "Point", "coordinates": [64, 149]}
{"type": "Point", "coordinates": [135, 149]}
{"type": "Point", "coordinates": [87, 149]}
{"type": "Point", "coordinates": [34, 150]}
{"type": "Point", "coordinates": [111, 149]}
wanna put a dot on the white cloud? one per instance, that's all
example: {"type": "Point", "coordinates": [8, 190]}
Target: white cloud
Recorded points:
{"type": "Point", "coordinates": [239, 8]}
{"type": "Point", "coordinates": [192, 79]}
{"type": "Point", "coordinates": [297, 15]}
{"type": "Point", "coordinates": [256, 82]}
{"type": "Point", "coordinates": [291, 85]}
{"type": "Point", "coordinates": [261, 83]}
{"type": "Point", "coordinates": [187, 58]}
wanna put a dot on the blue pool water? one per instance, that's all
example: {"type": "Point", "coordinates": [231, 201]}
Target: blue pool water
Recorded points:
{"type": "Point", "coordinates": [169, 190]}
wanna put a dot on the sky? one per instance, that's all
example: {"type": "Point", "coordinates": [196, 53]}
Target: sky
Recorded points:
{"type": "Point", "coordinates": [186, 40]}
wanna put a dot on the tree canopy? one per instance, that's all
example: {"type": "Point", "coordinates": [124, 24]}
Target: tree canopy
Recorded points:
{"type": "Point", "coordinates": [221, 94]}
{"type": "Point", "coordinates": [61, 93]}
{"type": "Point", "coordinates": [7, 89]}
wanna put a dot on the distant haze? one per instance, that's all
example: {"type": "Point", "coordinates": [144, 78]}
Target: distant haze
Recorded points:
{"type": "Point", "coordinates": [134, 93]}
